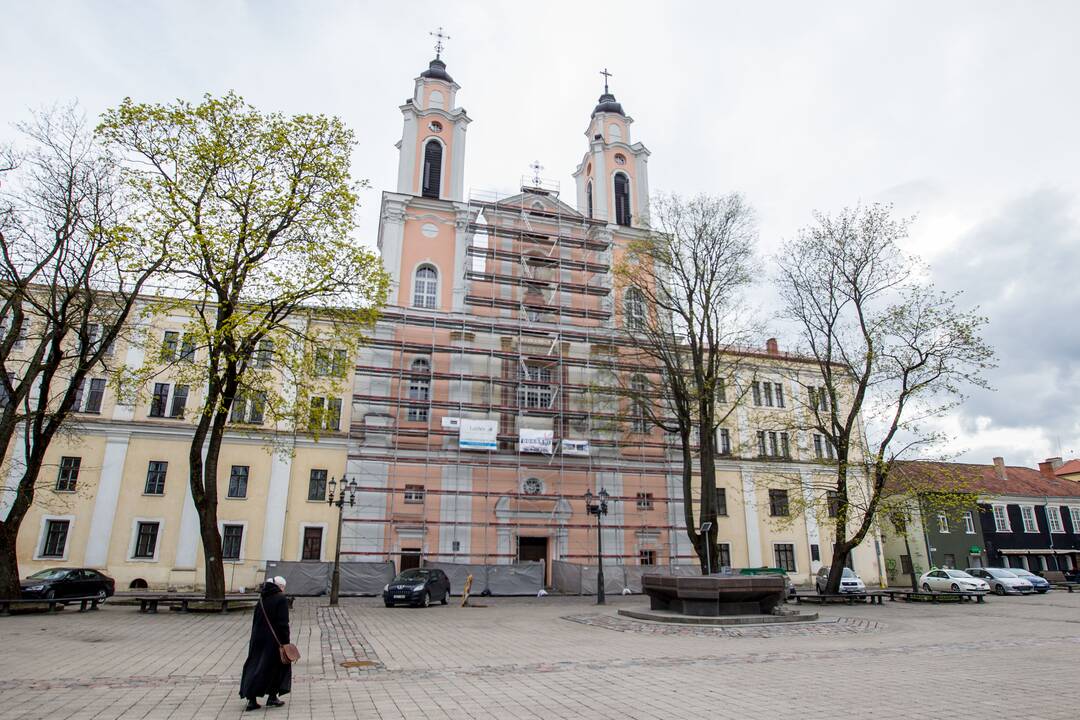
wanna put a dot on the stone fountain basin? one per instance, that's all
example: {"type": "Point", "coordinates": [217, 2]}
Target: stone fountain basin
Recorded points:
{"type": "Point", "coordinates": [715, 595]}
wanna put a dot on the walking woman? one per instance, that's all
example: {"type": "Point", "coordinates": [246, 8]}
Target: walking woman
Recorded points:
{"type": "Point", "coordinates": [264, 672]}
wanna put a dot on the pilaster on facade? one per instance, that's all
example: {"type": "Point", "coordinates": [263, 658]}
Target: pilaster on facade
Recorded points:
{"type": "Point", "coordinates": [103, 517]}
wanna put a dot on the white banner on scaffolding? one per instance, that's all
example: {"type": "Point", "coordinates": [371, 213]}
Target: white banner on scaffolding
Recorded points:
{"type": "Point", "coordinates": [536, 441]}
{"type": "Point", "coordinates": [478, 434]}
{"type": "Point", "coordinates": [575, 447]}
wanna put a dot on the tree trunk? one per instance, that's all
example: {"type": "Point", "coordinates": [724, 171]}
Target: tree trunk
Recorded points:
{"type": "Point", "coordinates": [708, 503]}
{"type": "Point", "coordinates": [9, 561]}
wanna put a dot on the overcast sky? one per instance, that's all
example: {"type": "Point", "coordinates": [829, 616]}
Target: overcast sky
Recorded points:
{"type": "Point", "coordinates": [965, 113]}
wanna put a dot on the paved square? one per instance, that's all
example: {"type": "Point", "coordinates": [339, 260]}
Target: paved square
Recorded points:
{"type": "Point", "coordinates": [555, 658]}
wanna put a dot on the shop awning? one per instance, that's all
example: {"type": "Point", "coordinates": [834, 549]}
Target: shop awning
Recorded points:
{"type": "Point", "coordinates": [1039, 551]}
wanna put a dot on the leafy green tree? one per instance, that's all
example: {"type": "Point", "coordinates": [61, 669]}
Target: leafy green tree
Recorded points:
{"type": "Point", "coordinates": [892, 351]}
{"type": "Point", "coordinates": [71, 273]}
{"type": "Point", "coordinates": [263, 206]}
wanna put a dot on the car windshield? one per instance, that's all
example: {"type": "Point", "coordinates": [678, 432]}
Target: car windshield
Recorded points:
{"type": "Point", "coordinates": [1000, 573]}
{"type": "Point", "coordinates": [51, 574]}
{"type": "Point", "coordinates": [414, 574]}
{"type": "Point", "coordinates": [849, 573]}
{"type": "Point", "coordinates": [957, 574]}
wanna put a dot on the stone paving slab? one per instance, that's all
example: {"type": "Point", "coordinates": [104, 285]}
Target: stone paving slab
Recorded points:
{"type": "Point", "coordinates": [550, 658]}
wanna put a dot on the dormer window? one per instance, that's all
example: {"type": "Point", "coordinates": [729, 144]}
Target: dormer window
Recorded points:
{"type": "Point", "coordinates": [432, 177]}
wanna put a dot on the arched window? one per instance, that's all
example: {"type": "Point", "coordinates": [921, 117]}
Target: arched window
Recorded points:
{"type": "Point", "coordinates": [426, 287]}
{"type": "Point", "coordinates": [588, 199]}
{"type": "Point", "coordinates": [432, 178]}
{"type": "Point", "coordinates": [634, 309]}
{"type": "Point", "coordinates": [639, 419]}
{"type": "Point", "coordinates": [419, 389]}
{"type": "Point", "coordinates": [622, 199]}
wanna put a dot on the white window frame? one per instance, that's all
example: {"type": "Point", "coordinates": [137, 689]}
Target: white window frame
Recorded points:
{"type": "Point", "coordinates": [426, 265]}
{"type": "Point", "coordinates": [133, 542]}
{"type": "Point", "coordinates": [40, 547]}
{"type": "Point", "coordinates": [300, 540]}
{"type": "Point", "coordinates": [1074, 515]}
{"type": "Point", "coordinates": [943, 523]}
{"type": "Point", "coordinates": [1024, 509]}
{"type": "Point", "coordinates": [969, 523]}
{"type": "Point", "coordinates": [243, 540]}
{"type": "Point", "coordinates": [1001, 523]}
{"type": "Point", "coordinates": [1053, 512]}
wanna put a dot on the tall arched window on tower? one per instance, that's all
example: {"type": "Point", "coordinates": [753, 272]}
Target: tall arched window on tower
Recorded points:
{"type": "Point", "coordinates": [426, 287]}
{"type": "Point", "coordinates": [432, 179]}
{"type": "Point", "coordinates": [419, 389]}
{"type": "Point", "coordinates": [622, 199]}
{"type": "Point", "coordinates": [588, 199]}
{"type": "Point", "coordinates": [634, 309]}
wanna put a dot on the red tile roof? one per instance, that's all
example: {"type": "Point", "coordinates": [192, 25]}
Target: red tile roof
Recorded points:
{"type": "Point", "coordinates": [1073, 466]}
{"type": "Point", "coordinates": [1028, 482]}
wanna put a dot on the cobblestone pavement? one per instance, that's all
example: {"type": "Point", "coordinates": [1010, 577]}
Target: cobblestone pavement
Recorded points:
{"type": "Point", "coordinates": [554, 658]}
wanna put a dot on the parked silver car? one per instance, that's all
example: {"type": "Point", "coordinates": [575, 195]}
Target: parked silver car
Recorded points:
{"type": "Point", "coordinates": [1039, 584]}
{"type": "Point", "coordinates": [952, 581]}
{"type": "Point", "coordinates": [849, 581]}
{"type": "Point", "coordinates": [1002, 581]}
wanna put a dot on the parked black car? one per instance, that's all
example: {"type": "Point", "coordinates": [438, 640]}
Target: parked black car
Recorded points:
{"type": "Point", "coordinates": [67, 582]}
{"type": "Point", "coordinates": [417, 587]}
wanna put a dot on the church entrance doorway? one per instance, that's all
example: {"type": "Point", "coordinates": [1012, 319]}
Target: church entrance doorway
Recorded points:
{"type": "Point", "coordinates": [534, 549]}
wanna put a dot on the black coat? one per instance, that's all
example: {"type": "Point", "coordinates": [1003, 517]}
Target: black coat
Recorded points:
{"type": "Point", "coordinates": [264, 673]}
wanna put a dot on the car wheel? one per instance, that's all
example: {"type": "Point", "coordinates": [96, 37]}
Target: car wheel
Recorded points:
{"type": "Point", "coordinates": [999, 589]}
{"type": "Point", "coordinates": [955, 587]}
{"type": "Point", "coordinates": [426, 602]}
{"type": "Point", "coordinates": [926, 587]}
{"type": "Point", "coordinates": [388, 603]}
{"type": "Point", "coordinates": [50, 594]}
{"type": "Point", "coordinates": [445, 597]}
{"type": "Point", "coordinates": [102, 595]}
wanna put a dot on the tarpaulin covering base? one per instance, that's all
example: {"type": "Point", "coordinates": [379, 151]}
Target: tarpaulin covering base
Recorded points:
{"type": "Point", "coordinates": [525, 578]}
{"type": "Point", "coordinates": [313, 578]}
{"type": "Point", "coordinates": [575, 579]}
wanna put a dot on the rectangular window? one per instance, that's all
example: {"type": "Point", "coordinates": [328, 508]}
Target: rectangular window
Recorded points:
{"type": "Point", "coordinates": [768, 388]}
{"type": "Point", "coordinates": [823, 449]}
{"type": "Point", "coordinates": [317, 485]}
{"type": "Point", "coordinates": [232, 537]}
{"type": "Point", "coordinates": [785, 446]}
{"type": "Point", "coordinates": [159, 400]}
{"type": "Point", "coordinates": [256, 408]}
{"type": "Point", "coordinates": [168, 345]}
{"type": "Point", "coordinates": [784, 554]}
{"type": "Point", "coordinates": [721, 391]}
{"type": "Point", "coordinates": [721, 501]}
{"type": "Point", "coordinates": [1074, 515]}
{"type": "Point", "coordinates": [763, 451]}
{"type": "Point", "coordinates": [905, 565]}
{"type": "Point", "coordinates": [950, 560]}
{"type": "Point", "coordinates": [778, 503]}
{"type": "Point", "coordinates": [774, 449]}
{"type": "Point", "coordinates": [756, 388]}
{"type": "Point", "coordinates": [69, 474]}
{"type": "Point", "coordinates": [146, 537]}
{"type": "Point", "coordinates": [779, 390]}
{"type": "Point", "coordinates": [89, 402]}
{"type": "Point", "coordinates": [1001, 519]}
{"type": "Point", "coordinates": [942, 523]}
{"type": "Point", "coordinates": [54, 543]}
{"type": "Point", "coordinates": [238, 481]}
{"type": "Point", "coordinates": [312, 544]}
{"type": "Point", "coordinates": [532, 395]}
{"type": "Point", "coordinates": [339, 363]}
{"type": "Point", "coordinates": [833, 498]}
{"type": "Point", "coordinates": [187, 348]}
{"type": "Point", "coordinates": [455, 546]}
{"type": "Point", "coordinates": [179, 401]}
{"type": "Point", "coordinates": [815, 552]}
{"type": "Point", "coordinates": [819, 399]}
{"type": "Point", "coordinates": [414, 493]}
{"type": "Point", "coordinates": [969, 523]}
{"type": "Point", "coordinates": [326, 413]}
{"type": "Point", "coordinates": [1027, 513]}
{"type": "Point", "coordinates": [723, 555]}
{"type": "Point", "coordinates": [264, 354]}
{"type": "Point", "coordinates": [155, 477]}
{"type": "Point", "coordinates": [644, 501]}
{"type": "Point", "coordinates": [646, 557]}
{"type": "Point", "coordinates": [1053, 517]}
{"type": "Point", "coordinates": [725, 441]}
{"type": "Point", "coordinates": [322, 362]}
{"type": "Point", "coordinates": [333, 414]}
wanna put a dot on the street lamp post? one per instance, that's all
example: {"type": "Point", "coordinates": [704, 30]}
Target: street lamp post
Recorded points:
{"type": "Point", "coordinates": [349, 489]}
{"type": "Point", "coordinates": [599, 509]}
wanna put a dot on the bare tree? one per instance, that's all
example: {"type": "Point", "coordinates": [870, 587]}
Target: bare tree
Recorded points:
{"type": "Point", "coordinates": [681, 289]}
{"type": "Point", "coordinates": [264, 206]}
{"type": "Point", "coordinates": [71, 272]}
{"type": "Point", "coordinates": [891, 350]}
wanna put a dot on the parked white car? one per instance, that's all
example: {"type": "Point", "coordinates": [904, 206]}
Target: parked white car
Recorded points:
{"type": "Point", "coordinates": [849, 581]}
{"type": "Point", "coordinates": [1003, 581]}
{"type": "Point", "coordinates": [952, 581]}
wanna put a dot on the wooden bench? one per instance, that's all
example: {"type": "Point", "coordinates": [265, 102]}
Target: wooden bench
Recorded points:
{"type": "Point", "coordinates": [182, 603]}
{"type": "Point", "coordinates": [90, 602]}
{"type": "Point", "coordinates": [934, 595]}
{"type": "Point", "coordinates": [873, 597]}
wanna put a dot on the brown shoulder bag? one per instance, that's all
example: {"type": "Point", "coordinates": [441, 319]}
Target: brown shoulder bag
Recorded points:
{"type": "Point", "coordinates": [289, 652]}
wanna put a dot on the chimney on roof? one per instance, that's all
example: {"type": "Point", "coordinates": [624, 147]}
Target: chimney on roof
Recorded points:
{"type": "Point", "coordinates": [772, 347]}
{"type": "Point", "coordinates": [1047, 467]}
{"type": "Point", "coordinates": [999, 468]}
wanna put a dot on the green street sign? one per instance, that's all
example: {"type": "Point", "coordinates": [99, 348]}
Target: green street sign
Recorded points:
{"type": "Point", "coordinates": [975, 550]}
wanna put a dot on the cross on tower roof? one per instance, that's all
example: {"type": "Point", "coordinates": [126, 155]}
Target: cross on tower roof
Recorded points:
{"type": "Point", "coordinates": [439, 35]}
{"type": "Point", "coordinates": [536, 167]}
{"type": "Point", "coordinates": [606, 75]}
